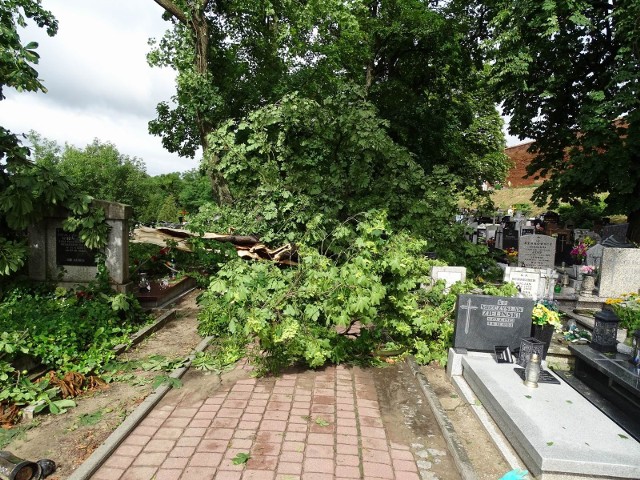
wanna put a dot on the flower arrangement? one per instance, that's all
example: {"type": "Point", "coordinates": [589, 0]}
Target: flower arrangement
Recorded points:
{"type": "Point", "coordinates": [588, 270]}
{"type": "Point", "coordinates": [579, 252]}
{"type": "Point", "coordinates": [627, 308]}
{"type": "Point", "coordinates": [512, 255]}
{"type": "Point", "coordinates": [545, 314]}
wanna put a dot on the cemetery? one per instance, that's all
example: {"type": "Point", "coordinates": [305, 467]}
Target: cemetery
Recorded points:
{"type": "Point", "coordinates": [592, 280]}
{"type": "Point", "coordinates": [329, 290]}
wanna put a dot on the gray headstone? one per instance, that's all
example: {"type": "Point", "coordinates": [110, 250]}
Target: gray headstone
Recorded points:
{"type": "Point", "coordinates": [484, 321]}
{"type": "Point", "coordinates": [618, 231]}
{"type": "Point", "coordinates": [450, 275]}
{"type": "Point", "coordinates": [56, 254]}
{"type": "Point", "coordinates": [536, 251]}
{"type": "Point", "coordinates": [594, 255]}
{"type": "Point", "coordinates": [619, 271]}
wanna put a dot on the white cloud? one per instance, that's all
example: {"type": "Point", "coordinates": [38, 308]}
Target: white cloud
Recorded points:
{"type": "Point", "coordinates": [99, 84]}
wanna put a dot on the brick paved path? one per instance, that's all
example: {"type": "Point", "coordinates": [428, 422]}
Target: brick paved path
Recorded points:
{"type": "Point", "coordinates": [311, 425]}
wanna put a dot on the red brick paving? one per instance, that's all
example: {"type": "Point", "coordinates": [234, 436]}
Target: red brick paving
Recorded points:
{"type": "Point", "coordinates": [316, 425]}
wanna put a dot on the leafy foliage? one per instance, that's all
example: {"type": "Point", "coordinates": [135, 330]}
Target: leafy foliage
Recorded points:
{"type": "Point", "coordinates": [65, 331]}
{"type": "Point", "coordinates": [567, 73]}
{"type": "Point", "coordinates": [238, 61]}
{"type": "Point", "coordinates": [337, 309]}
{"type": "Point", "coordinates": [27, 191]}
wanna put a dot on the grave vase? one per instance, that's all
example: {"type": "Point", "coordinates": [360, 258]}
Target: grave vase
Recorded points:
{"type": "Point", "coordinates": [588, 284]}
{"type": "Point", "coordinates": [543, 333]}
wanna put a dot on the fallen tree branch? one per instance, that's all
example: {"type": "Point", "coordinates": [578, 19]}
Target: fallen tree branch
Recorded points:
{"type": "Point", "coordinates": [246, 246]}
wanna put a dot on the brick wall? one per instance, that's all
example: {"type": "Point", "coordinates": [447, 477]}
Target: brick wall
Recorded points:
{"type": "Point", "coordinates": [520, 159]}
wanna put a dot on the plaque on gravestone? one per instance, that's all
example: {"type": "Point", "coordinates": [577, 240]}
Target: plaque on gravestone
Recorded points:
{"type": "Point", "coordinates": [537, 251]}
{"type": "Point", "coordinates": [527, 231]}
{"type": "Point", "coordinates": [70, 250]}
{"type": "Point", "coordinates": [484, 321]}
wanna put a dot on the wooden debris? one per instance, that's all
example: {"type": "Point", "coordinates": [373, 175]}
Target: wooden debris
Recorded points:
{"type": "Point", "coordinates": [246, 246]}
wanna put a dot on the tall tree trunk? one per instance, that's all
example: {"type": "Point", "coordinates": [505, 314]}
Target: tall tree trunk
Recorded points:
{"type": "Point", "coordinates": [196, 20]}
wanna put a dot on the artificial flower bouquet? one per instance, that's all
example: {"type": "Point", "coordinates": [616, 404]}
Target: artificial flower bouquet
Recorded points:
{"type": "Point", "coordinates": [546, 314]}
{"type": "Point", "coordinates": [588, 270]}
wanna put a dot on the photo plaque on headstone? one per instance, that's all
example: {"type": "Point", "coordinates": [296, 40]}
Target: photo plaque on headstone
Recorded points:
{"type": "Point", "coordinates": [71, 251]}
{"type": "Point", "coordinates": [485, 321]}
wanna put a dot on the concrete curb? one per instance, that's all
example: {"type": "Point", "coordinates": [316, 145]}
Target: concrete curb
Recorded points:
{"type": "Point", "coordinates": [102, 453]}
{"type": "Point", "coordinates": [144, 332]}
{"type": "Point", "coordinates": [456, 448]}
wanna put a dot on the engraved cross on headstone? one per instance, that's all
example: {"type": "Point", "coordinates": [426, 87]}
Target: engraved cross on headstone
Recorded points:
{"type": "Point", "coordinates": [468, 308]}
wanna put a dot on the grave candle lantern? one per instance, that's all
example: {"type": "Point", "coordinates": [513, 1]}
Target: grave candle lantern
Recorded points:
{"type": "Point", "coordinates": [604, 331]}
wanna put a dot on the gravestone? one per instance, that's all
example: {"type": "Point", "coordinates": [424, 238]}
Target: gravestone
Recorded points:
{"type": "Point", "coordinates": [594, 255]}
{"type": "Point", "coordinates": [579, 233]}
{"type": "Point", "coordinates": [619, 232]}
{"type": "Point", "coordinates": [450, 275]}
{"type": "Point", "coordinates": [619, 271]}
{"type": "Point", "coordinates": [509, 238]}
{"type": "Point", "coordinates": [61, 256]}
{"type": "Point", "coordinates": [499, 237]}
{"type": "Point", "coordinates": [528, 280]}
{"type": "Point", "coordinates": [484, 321]}
{"type": "Point", "coordinates": [536, 251]}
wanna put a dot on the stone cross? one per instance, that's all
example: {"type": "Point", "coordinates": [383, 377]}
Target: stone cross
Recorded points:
{"type": "Point", "coordinates": [468, 308]}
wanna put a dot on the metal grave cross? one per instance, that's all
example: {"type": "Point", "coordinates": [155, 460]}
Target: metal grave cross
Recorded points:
{"type": "Point", "coordinates": [468, 308]}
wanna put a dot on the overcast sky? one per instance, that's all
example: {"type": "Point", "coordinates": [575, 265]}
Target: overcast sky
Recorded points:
{"type": "Point", "coordinates": [99, 84]}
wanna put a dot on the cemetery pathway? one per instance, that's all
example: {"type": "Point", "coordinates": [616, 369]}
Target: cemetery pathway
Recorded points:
{"type": "Point", "coordinates": [339, 422]}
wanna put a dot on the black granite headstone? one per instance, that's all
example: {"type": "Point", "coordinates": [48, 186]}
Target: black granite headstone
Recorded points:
{"type": "Point", "coordinates": [484, 321]}
{"type": "Point", "coordinates": [70, 250]}
{"type": "Point", "coordinates": [509, 238]}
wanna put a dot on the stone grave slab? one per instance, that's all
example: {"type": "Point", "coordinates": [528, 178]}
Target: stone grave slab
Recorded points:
{"type": "Point", "coordinates": [554, 429]}
{"type": "Point", "coordinates": [485, 321]}
{"type": "Point", "coordinates": [450, 275]}
{"type": "Point", "coordinates": [619, 231]}
{"type": "Point", "coordinates": [619, 271]}
{"type": "Point", "coordinates": [536, 251]}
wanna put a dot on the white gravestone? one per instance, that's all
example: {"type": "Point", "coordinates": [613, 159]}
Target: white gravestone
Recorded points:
{"type": "Point", "coordinates": [535, 283]}
{"type": "Point", "coordinates": [450, 275]}
{"type": "Point", "coordinates": [536, 251]}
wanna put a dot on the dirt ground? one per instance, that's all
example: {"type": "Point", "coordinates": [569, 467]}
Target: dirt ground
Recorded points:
{"type": "Point", "coordinates": [70, 438]}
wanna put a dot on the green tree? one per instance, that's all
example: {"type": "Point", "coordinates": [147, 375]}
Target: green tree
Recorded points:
{"type": "Point", "coordinates": [568, 74]}
{"type": "Point", "coordinates": [100, 170]}
{"type": "Point", "coordinates": [405, 58]}
{"type": "Point", "coordinates": [27, 191]}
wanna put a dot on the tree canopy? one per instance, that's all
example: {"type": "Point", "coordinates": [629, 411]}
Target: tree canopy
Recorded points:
{"type": "Point", "coordinates": [568, 72]}
{"type": "Point", "coordinates": [327, 107]}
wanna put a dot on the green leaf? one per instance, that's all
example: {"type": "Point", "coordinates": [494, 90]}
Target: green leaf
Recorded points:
{"type": "Point", "coordinates": [549, 444]}
{"type": "Point", "coordinates": [322, 422]}
{"type": "Point", "coordinates": [624, 437]}
{"type": "Point", "coordinates": [241, 458]}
